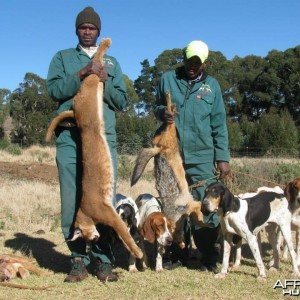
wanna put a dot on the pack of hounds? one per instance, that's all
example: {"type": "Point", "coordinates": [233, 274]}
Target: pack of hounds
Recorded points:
{"type": "Point", "coordinates": [242, 217]}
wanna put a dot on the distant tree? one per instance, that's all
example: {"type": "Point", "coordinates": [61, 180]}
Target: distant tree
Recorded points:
{"type": "Point", "coordinates": [166, 61]}
{"type": "Point", "coordinates": [4, 108]}
{"type": "Point", "coordinates": [277, 131]}
{"type": "Point", "coordinates": [147, 82]}
{"type": "Point", "coordinates": [31, 110]}
{"type": "Point", "coordinates": [133, 98]}
{"type": "Point", "coordinates": [249, 132]}
{"type": "Point", "coordinates": [133, 132]}
{"type": "Point", "coordinates": [250, 68]}
{"type": "Point", "coordinates": [287, 66]}
{"type": "Point", "coordinates": [235, 135]}
{"type": "Point", "coordinates": [144, 86]}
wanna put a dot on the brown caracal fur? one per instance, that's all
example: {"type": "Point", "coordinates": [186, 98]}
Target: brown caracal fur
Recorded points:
{"type": "Point", "coordinates": [98, 180]}
{"type": "Point", "coordinates": [165, 145]}
{"type": "Point", "coordinates": [13, 266]}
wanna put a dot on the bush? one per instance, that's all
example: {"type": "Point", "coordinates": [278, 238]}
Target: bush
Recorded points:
{"type": "Point", "coordinates": [10, 148]}
{"type": "Point", "coordinates": [249, 174]}
{"type": "Point", "coordinates": [4, 143]}
{"type": "Point", "coordinates": [125, 167]}
{"type": "Point", "coordinates": [286, 172]}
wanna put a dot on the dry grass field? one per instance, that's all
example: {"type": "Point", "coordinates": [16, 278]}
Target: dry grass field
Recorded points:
{"type": "Point", "coordinates": [30, 225]}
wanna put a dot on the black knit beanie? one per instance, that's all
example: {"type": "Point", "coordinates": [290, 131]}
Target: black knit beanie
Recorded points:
{"type": "Point", "coordinates": [88, 15]}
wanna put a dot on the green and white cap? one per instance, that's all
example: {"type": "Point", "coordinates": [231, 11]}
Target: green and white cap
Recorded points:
{"type": "Point", "coordinates": [197, 48]}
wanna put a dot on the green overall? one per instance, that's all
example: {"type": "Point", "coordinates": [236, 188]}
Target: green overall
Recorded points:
{"type": "Point", "coordinates": [62, 84]}
{"type": "Point", "coordinates": [202, 135]}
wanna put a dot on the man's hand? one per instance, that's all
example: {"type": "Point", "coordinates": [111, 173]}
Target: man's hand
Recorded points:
{"type": "Point", "coordinates": [169, 117]}
{"type": "Point", "coordinates": [94, 67]}
{"type": "Point", "coordinates": [223, 168]}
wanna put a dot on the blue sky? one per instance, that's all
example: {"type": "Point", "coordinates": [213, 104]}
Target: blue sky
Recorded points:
{"type": "Point", "coordinates": [32, 31]}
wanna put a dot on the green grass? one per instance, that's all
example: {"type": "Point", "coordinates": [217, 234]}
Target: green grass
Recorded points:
{"type": "Point", "coordinates": [182, 283]}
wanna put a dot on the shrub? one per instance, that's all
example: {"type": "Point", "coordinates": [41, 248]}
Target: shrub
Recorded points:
{"type": "Point", "coordinates": [10, 148]}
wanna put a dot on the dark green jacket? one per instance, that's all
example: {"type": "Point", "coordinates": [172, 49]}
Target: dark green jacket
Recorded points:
{"type": "Point", "coordinates": [201, 122]}
{"type": "Point", "coordinates": [63, 83]}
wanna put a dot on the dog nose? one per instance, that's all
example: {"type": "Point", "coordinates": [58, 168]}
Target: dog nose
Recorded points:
{"type": "Point", "coordinates": [169, 240]}
{"type": "Point", "coordinates": [96, 237]}
{"type": "Point", "coordinates": [204, 205]}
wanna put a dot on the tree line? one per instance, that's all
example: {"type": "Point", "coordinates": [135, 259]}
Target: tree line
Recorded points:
{"type": "Point", "coordinates": [261, 95]}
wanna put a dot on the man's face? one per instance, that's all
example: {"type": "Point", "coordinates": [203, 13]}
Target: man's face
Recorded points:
{"type": "Point", "coordinates": [87, 34]}
{"type": "Point", "coordinates": [193, 67]}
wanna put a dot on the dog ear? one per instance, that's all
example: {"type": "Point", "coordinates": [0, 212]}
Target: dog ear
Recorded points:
{"type": "Point", "coordinates": [227, 200]}
{"type": "Point", "coordinates": [288, 192]}
{"type": "Point", "coordinates": [147, 231]}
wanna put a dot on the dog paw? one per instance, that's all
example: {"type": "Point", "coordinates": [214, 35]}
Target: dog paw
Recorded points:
{"type": "Point", "coordinates": [132, 269]}
{"type": "Point", "coordinates": [220, 275]}
{"type": "Point", "coordinates": [159, 270]}
{"type": "Point", "coordinates": [233, 268]}
{"type": "Point", "coordinates": [296, 274]}
{"type": "Point", "coordinates": [261, 278]}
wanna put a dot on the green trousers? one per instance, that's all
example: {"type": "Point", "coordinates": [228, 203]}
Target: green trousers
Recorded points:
{"type": "Point", "coordinates": [68, 159]}
{"type": "Point", "coordinates": [204, 237]}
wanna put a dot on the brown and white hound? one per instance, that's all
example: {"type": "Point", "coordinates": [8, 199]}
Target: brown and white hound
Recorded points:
{"type": "Point", "coordinates": [245, 218]}
{"type": "Point", "coordinates": [154, 226]}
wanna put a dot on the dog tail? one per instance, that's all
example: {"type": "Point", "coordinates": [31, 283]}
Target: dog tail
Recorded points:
{"type": "Point", "coordinates": [141, 162]}
{"type": "Point", "coordinates": [56, 121]}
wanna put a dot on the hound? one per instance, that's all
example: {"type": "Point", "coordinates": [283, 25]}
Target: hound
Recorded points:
{"type": "Point", "coordinates": [245, 218]}
{"type": "Point", "coordinates": [270, 229]}
{"type": "Point", "coordinates": [292, 193]}
{"type": "Point", "coordinates": [129, 213]}
{"type": "Point", "coordinates": [154, 226]}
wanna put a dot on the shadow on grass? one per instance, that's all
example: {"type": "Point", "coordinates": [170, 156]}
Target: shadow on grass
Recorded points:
{"type": "Point", "coordinates": [266, 249]}
{"type": "Point", "coordinates": [42, 250]}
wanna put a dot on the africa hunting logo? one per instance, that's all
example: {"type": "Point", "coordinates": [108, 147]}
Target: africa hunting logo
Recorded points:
{"type": "Point", "coordinates": [290, 287]}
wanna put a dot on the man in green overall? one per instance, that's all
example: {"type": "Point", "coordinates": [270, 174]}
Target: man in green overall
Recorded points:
{"type": "Point", "coordinates": [202, 134]}
{"type": "Point", "coordinates": [66, 71]}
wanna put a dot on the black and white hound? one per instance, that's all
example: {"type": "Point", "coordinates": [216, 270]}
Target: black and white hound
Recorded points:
{"type": "Point", "coordinates": [129, 213]}
{"type": "Point", "coordinates": [245, 218]}
{"type": "Point", "coordinates": [271, 230]}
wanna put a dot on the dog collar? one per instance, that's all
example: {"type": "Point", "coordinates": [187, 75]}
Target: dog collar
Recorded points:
{"type": "Point", "coordinates": [149, 206]}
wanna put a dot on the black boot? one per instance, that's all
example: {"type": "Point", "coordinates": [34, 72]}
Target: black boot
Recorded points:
{"type": "Point", "coordinates": [104, 273]}
{"type": "Point", "coordinates": [78, 271]}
